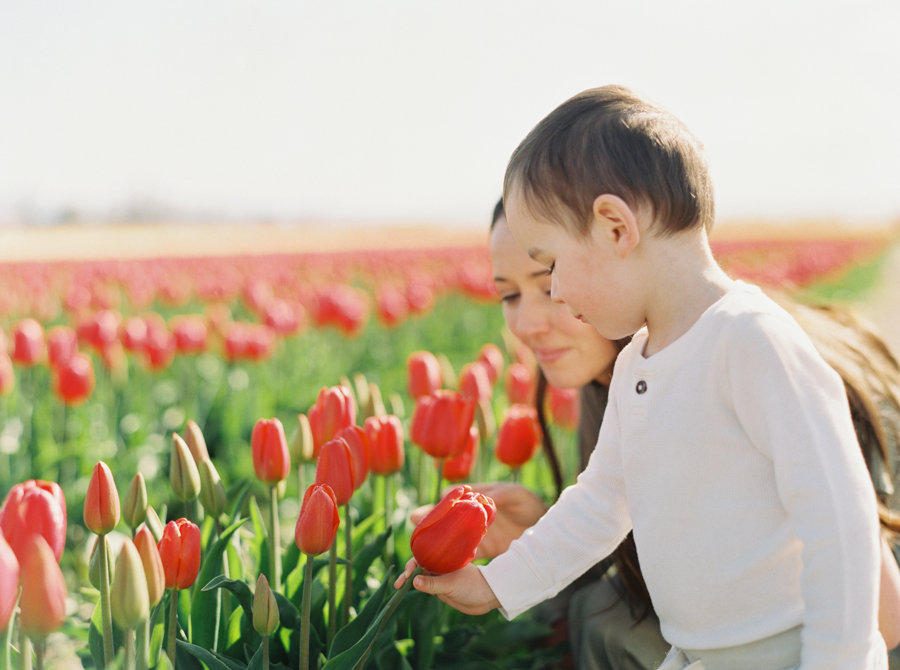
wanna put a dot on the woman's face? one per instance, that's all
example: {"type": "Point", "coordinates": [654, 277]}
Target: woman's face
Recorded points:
{"type": "Point", "coordinates": [570, 352]}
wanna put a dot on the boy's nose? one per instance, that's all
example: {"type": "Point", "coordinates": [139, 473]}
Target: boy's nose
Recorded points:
{"type": "Point", "coordinates": [554, 290]}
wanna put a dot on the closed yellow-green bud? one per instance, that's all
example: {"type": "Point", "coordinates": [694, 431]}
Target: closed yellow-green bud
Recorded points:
{"type": "Point", "coordinates": [195, 441]}
{"type": "Point", "coordinates": [128, 598]}
{"type": "Point", "coordinates": [265, 610]}
{"type": "Point", "coordinates": [485, 419]}
{"type": "Point", "coordinates": [447, 372]}
{"type": "Point", "coordinates": [134, 506]}
{"type": "Point", "coordinates": [212, 491]}
{"type": "Point", "coordinates": [183, 474]}
{"type": "Point", "coordinates": [154, 524]}
{"type": "Point", "coordinates": [94, 566]}
{"type": "Point", "coordinates": [397, 407]}
{"type": "Point", "coordinates": [375, 405]}
{"type": "Point", "coordinates": [301, 445]}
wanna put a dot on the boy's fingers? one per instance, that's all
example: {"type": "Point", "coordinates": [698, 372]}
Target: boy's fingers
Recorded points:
{"type": "Point", "coordinates": [411, 566]}
{"type": "Point", "coordinates": [425, 584]}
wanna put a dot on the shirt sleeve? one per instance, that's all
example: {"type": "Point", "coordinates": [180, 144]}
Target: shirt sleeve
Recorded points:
{"type": "Point", "coordinates": [586, 524]}
{"type": "Point", "coordinates": [794, 409]}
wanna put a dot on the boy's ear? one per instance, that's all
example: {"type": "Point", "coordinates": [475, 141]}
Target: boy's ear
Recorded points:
{"type": "Point", "coordinates": [617, 222]}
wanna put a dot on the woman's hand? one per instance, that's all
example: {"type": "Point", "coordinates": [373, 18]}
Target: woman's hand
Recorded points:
{"type": "Point", "coordinates": [518, 509]}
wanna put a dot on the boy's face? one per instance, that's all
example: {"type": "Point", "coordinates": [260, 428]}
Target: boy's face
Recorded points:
{"type": "Point", "coordinates": [586, 274]}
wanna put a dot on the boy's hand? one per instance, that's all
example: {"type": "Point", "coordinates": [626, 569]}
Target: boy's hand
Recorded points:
{"type": "Point", "coordinates": [464, 590]}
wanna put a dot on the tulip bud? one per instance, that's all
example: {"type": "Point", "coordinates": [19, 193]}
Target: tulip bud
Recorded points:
{"type": "Point", "coordinates": [212, 491]}
{"type": "Point", "coordinates": [94, 566]}
{"type": "Point", "coordinates": [564, 407]}
{"type": "Point", "coordinates": [519, 436]}
{"type": "Point", "coordinates": [334, 409]}
{"type": "Point", "coordinates": [335, 468]}
{"type": "Point", "coordinates": [423, 374]}
{"type": "Point", "coordinates": [101, 505]}
{"type": "Point", "coordinates": [151, 564]}
{"type": "Point", "coordinates": [179, 550]}
{"type": "Point", "coordinates": [356, 439]}
{"type": "Point", "coordinates": [73, 380]}
{"type": "Point", "coordinates": [183, 474]}
{"type": "Point", "coordinates": [361, 387]}
{"type": "Point", "coordinates": [447, 372]}
{"type": "Point", "coordinates": [265, 610]}
{"type": "Point", "coordinates": [193, 437]}
{"type": "Point", "coordinates": [385, 434]}
{"type": "Point", "coordinates": [129, 599]}
{"type": "Point", "coordinates": [474, 383]}
{"type": "Point", "coordinates": [9, 582]}
{"type": "Point", "coordinates": [485, 419]}
{"type": "Point", "coordinates": [28, 342]}
{"type": "Point", "coordinates": [34, 506]}
{"type": "Point", "coordinates": [301, 446]}
{"type": "Point", "coordinates": [134, 506]}
{"type": "Point", "coordinates": [42, 607]}
{"type": "Point", "coordinates": [62, 343]}
{"type": "Point", "coordinates": [375, 407]}
{"type": "Point", "coordinates": [396, 403]}
{"type": "Point", "coordinates": [519, 384]}
{"type": "Point", "coordinates": [460, 468]}
{"type": "Point", "coordinates": [318, 522]}
{"type": "Point", "coordinates": [441, 422]}
{"type": "Point", "coordinates": [271, 459]}
{"type": "Point", "coordinates": [492, 357]}
{"type": "Point", "coordinates": [154, 523]}
{"type": "Point", "coordinates": [446, 539]}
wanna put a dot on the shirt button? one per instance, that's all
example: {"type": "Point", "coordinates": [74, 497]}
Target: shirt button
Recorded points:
{"type": "Point", "coordinates": [641, 387]}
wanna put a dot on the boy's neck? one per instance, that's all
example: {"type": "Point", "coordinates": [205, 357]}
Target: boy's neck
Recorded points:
{"type": "Point", "coordinates": [687, 281]}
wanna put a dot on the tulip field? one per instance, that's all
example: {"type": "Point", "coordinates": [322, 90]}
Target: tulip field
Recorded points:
{"type": "Point", "coordinates": [211, 462]}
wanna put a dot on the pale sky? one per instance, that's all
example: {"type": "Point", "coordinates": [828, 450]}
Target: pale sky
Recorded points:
{"type": "Point", "coordinates": [384, 111]}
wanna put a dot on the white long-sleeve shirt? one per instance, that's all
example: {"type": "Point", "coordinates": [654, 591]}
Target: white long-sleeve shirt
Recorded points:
{"type": "Point", "coordinates": [732, 454]}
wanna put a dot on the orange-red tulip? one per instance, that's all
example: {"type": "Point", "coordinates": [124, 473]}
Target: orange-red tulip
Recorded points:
{"type": "Point", "coordinates": [385, 444]}
{"type": "Point", "coordinates": [9, 582]}
{"type": "Point", "coordinates": [73, 380]}
{"type": "Point", "coordinates": [42, 607]}
{"type": "Point", "coordinates": [423, 374]}
{"type": "Point", "coordinates": [491, 356]}
{"type": "Point", "coordinates": [152, 563]}
{"type": "Point", "coordinates": [34, 507]}
{"type": "Point", "coordinates": [335, 468]}
{"type": "Point", "coordinates": [358, 441]}
{"type": "Point", "coordinates": [334, 409]}
{"type": "Point", "coordinates": [519, 436]}
{"type": "Point", "coordinates": [62, 343]}
{"type": "Point", "coordinates": [392, 306]}
{"type": "Point", "coordinates": [271, 458]}
{"type": "Point", "coordinates": [28, 342]}
{"type": "Point", "coordinates": [474, 382]}
{"type": "Point", "coordinates": [441, 423]}
{"type": "Point", "coordinates": [190, 333]}
{"type": "Point", "coordinates": [318, 522]}
{"type": "Point", "coordinates": [101, 329]}
{"type": "Point", "coordinates": [459, 468]}
{"type": "Point", "coordinates": [179, 551]}
{"type": "Point", "coordinates": [101, 505]}
{"type": "Point", "coordinates": [446, 539]}
{"type": "Point", "coordinates": [564, 407]}
{"type": "Point", "coordinates": [520, 384]}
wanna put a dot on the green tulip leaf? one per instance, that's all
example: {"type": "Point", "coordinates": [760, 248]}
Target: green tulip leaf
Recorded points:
{"type": "Point", "coordinates": [353, 631]}
{"type": "Point", "coordinates": [502, 637]}
{"type": "Point", "coordinates": [95, 637]}
{"type": "Point", "coordinates": [212, 660]}
{"type": "Point", "coordinates": [184, 660]}
{"type": "Point", "coordinates": [206, 605]}
{"type": "Point", "coordinates": [243, 488]}
{"type": "Point", "coordinates": [240, 590]}
{"type": "Point", "coordinates": [288, 614]}
{"type": "Point", "coordinates": [365, 557]}
{"type": "Point", "coordinates": [424, 626]}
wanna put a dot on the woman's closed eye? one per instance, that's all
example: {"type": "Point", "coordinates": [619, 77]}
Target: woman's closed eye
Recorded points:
{"type": "Point", "coordinates": [552, 268]}
{"type": "Point", "coordinates": [509, 297]}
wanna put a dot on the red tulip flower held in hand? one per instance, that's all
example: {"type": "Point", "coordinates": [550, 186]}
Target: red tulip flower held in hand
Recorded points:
{"type": "Point", "coordinates": [423, 374]}
{"type": "Point", "coordinates": [271, 458]}
{"type": "Point", "coordinates": [519, 436]}
{"type": "Point", "coordinates": [446, 539]}
{"type": "Point", "coordinates": [179, 551]}
{"type": "Point", "coordinates": [385, 444]}
{"type": "Point", "coordinates": [334, 409]}
{"type": "Point", "coordinates": [34, 507]}
{"type": "Point", "coordinates": [318, 522]}
{"type": "Point", "coordinates": [441, 422]}
{"type": "Point", "coordinates": [335, 468]}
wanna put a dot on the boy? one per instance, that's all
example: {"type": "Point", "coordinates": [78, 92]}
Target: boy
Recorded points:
{"type": "Point", "coordinates": [727, 444]}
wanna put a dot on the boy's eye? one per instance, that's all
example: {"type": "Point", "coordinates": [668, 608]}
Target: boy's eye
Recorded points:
{"type": "Point", "coordinates": [552, 267]}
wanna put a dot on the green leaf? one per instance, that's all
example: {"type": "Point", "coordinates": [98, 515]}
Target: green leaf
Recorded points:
{"type": "Point", "coordinates": [365, 557]}
{"type": "Point", "coordinates": [503, 636]}
{"type": "Point", "coordinates": [206, 605]}
{"type": "Point", "coordinates": [95, 637]}
{"type": "Point", "coordinates": [184, 660]}
{"type": "Point", "coordinates": [240, 590]}
{"type": "Point", "coordinates": [212, 660]}
{"type": "Point", "coordinates": [424, 626]}
{"type": "Point", "coordinates": [345, 638]}
{"type": "Point", "coordinates": [239, 498]}
{"type": "Point", "coordinates": [288, 615]}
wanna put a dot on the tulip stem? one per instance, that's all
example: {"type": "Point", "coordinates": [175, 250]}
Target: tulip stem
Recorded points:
{"type": "Point", "coordinates": [39, 650]}
{"type": "Point", "coordinates": [388, 513]}
{"type": "Point", "coordinates": [109, 653]}
{"type": "Point", "coordinates": [304, 616]}
{"type": "Point", "coordinates": [332, 596]}
{"type": "Point", "coordinates": [24, 650]}
{"type": "Point", "coordinates": [275, 558]}
{"type": "Point", "coordinates": [348, 569]}
{"type": "Point", "coordinates": [143, 645]}
{"type": "Point", "coordinates": [440, 478]}
{"type": "Point", "coordinates": [265, 649]}
{"type": "Point", "coordinates": [389, 610]}
{"type": "Point", "coordinates": [173, 624]}
{"type": "Point", "coordinates": [129, 649]}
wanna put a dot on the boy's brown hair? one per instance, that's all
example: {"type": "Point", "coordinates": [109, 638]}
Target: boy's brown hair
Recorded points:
{"type": "Point", "coordinates": [612, 140]}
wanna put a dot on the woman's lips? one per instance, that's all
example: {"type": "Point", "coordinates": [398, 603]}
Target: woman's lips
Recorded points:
{"type": "Point", "coordinates": [547, 356]}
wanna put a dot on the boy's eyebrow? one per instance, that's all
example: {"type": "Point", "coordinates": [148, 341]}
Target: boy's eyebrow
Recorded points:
{"type": "Point", "coordinates": [536, 273]}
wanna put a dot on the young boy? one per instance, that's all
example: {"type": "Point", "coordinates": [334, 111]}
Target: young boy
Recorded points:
{"type": "Point", "coordinates": [727, 444]}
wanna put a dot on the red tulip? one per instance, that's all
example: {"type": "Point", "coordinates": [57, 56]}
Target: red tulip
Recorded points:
{"type": "Point", "coordinates": [385, 435]}
{"type": "Point", "coordinates": [257, 294]}
{"type": "Point", "coordinates": [9, 582]}
{"type": "Point", "coordinates": [101, 505]}
{"type": "Point", "coordinates": [441, 422]}
{"type": "Point", "coordinates": [190, 334]}
{"type": "Point", "coordinates": [423, 374]}
{"type": "Point", "coordinates": [446, 539]}
{"type": "Point", "coordinates": [42, 607]}
{"type": "Point", "coordinates": [392, 306]}
{"type": "Point", "coordinates": [101, 329]}
{"type": "Point", "coordinates": [73, 381]}
{"type": "Point", "coordinates": [459, 468]}
{"type": "Point", "coordinates": [134, 334]}
{"type": "Point", "coordinates": [519, 435]}
{"type": "Point", "coordinates": [28, 342]}
{"type": "Point", "coordinates": [564, 407]}
{"type": "Point", "coordinates": [34, 507]}
{"type": "Point", "coordinates": [260, 342]}
{"type": "Point", "coordinates": [318, 522]}
{"type": "Point", "coordinates": [358, 441]}
{"type": "Point", "coordinates": [7, 374]}
{"type": "Point", "coordinates": [341, 306]}
{"type": "Point", "coordinates": [335, 468]}
{"type": "Point", "coordinates": [285, 318]}
{"type": "Point", "coordinates": [519, 384]}
{"type": "Point", "coordinates": [179, 551]}
{"type": "Point", "coordinates": [491, 356]}
{"type": "Point", "coordinates": [334, 409]}
{"type": "Point", "coordinates": [419, 295]}
{"type": "Point", "coordinates": [159, 347]}
{"type": "Point", "coordinates": [271, 459]}
{"type": "Point", "coordinates": [474, 382]}
{"type": "Point", "coordinates": [62, 343]}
